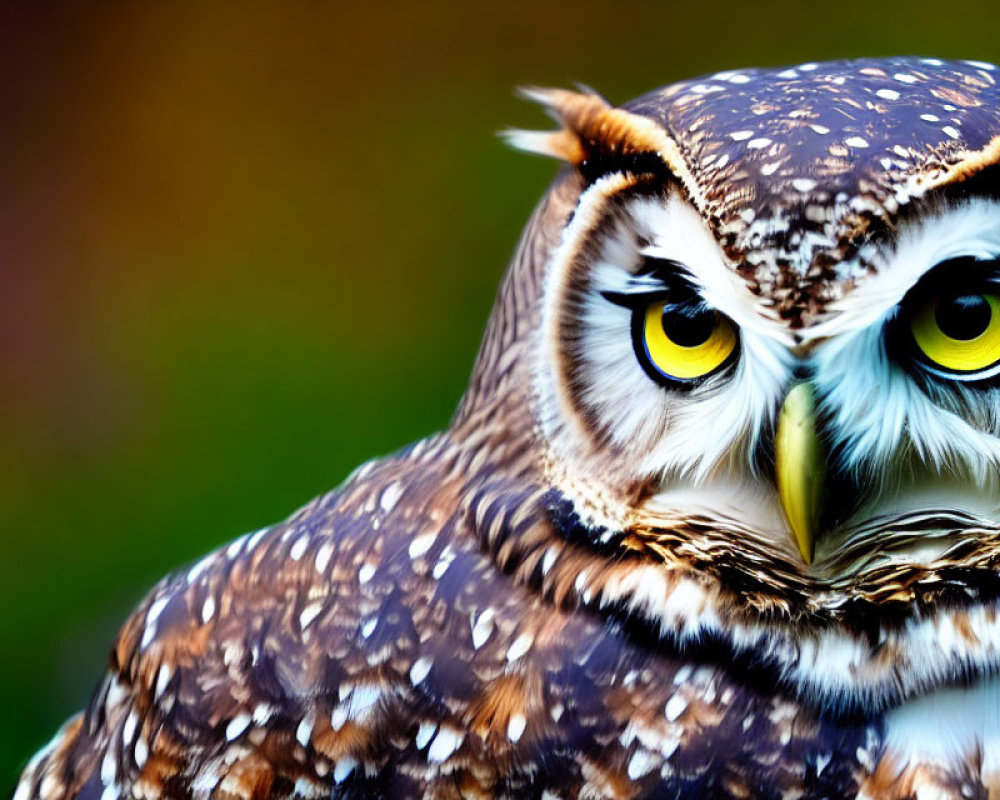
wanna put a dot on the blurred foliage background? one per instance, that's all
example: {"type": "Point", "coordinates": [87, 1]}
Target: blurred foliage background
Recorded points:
{"type": "Point", "coordinates": [246, 246]}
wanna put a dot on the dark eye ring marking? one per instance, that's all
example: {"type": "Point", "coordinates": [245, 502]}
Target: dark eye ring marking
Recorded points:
{"type": "Point", "coordinates": [679, 340]}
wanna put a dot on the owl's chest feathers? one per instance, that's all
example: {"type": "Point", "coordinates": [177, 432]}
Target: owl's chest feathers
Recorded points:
{"type": "Point", "coordinates": [689, 592]}
{"type": "Point", "coordinates": [947, 727]}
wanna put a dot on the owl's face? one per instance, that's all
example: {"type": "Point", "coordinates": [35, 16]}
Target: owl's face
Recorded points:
{"type": "Point", "coordinates": [765, 372]}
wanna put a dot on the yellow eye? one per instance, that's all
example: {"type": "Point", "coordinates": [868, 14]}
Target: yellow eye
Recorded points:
{"type": "Point", "coordinates": [681, 343]}
{"type": "Point", "coordinates": [959, 333]}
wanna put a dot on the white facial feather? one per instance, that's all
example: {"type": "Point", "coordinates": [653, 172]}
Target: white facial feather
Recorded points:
{"type": "Point", "coordinates": [881, 420]}
{"type": "Point", "coordinates": [971, 228]}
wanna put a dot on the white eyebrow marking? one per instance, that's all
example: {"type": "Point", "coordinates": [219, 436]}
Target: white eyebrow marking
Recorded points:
{"type": "Point", "coordinates": [968, 230]}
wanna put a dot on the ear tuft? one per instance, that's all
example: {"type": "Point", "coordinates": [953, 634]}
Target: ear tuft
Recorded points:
{"type": "Point", "coordinates": [579, 114]}
{"type": "Point", "coordinates": [555, 144]}
{"type": "Point", "coordinates": [598, 139]}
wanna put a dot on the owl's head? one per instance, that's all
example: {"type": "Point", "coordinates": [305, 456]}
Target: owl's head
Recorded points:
{"type": "Point", "coordinates": [754, 331]}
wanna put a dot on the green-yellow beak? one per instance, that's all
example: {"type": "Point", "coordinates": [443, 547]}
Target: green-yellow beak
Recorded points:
{"type": "Point", "coordinates": [800, 467]}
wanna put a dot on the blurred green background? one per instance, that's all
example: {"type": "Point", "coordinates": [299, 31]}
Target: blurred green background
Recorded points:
{"type": "Point", "coordinates": [244, 247]}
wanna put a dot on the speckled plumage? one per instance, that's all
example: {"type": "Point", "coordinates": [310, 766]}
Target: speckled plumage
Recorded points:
{"type": "Point", "coordinates": [812, 159]}
{"type": "Point", "coordinates": [513, 608]}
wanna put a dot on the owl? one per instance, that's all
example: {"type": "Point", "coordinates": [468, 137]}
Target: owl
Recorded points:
{"type": "Point", "coordinates": [718, 516]}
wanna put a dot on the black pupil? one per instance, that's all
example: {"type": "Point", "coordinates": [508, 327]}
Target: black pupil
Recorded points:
{"type": "Point", "coordinates": [688, 327]}
{"type": "Point", "coordinates": [963, 316]}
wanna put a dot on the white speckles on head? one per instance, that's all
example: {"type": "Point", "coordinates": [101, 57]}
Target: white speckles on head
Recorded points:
{"type": "Point", "coordinates": [362, 471]}
{"type": "Point", "coordinates": [208, 609]}
{"type": "Point", "coordinates": [447, 741]}
{"type": "Point", "coordinates": [196, 571]}
{"type": "Point", "coordinates": [950, 132]}
{"type": "Point", "coordinates": [115, 693]}
{"type": "Point", "coordinates": [338, 717]}
{"type": "Point", "coordinates": [482, 628]}
{"type": "Point", "coordinates": [254, 540]}
{"type": "Point", "coordinates": [262, 713]}
{"type": "Point", "coordinates": [343, 768]}
{"type": "Point", "coordinates": [930, 118]}
{"type": "Point", "coordinates": [549, 559]}
{"type": "Point", "coordinates": [163, 676]}
{"type": "Point", "coordinates": [816, 212]}
{"type": "Point", "coordinates": [366, 573]}
{"type": "Point", "coordinates": [237, 725]}
{"type": "Point", "coordinates": [759, 143]}
{"type": "Point", "coordinates": [803, 185]}
{"type": "Point", "coordinates": [520, 646]}
{"type": "Point", "coordinates": [303, 733]}
{"type": "Point", "coordinates": [355, 704]}
{"type": "Point", "coordinates": [822, 761]}
{"type": "Point", "coordinates": [421, 544]}
{"type": "Point", "coordinates": [741, 136]}
{"type": "Point", "coordinates": [206, 780]}
{"type": "Point", "coordinates": [641, 763]}
{"type": "Point", "coordinates": [299, 548]}
{"type": "Point", "coordinates": [141, 752]}
{"type": "Point", "coordinates": [235, 547]}
{"type": "Point", "coordinates": [705, 88]}
{"type": "Point", "coordinates": [905, 77]}
{"type": "Point", "coordinates": [888, 94]}
{"type": "Point", "coordinates": [149, 632]}
{"type": "Point", "coordinates": [304, 787]}
{"type": "Point", "coordinates": [323, 556]}
{"type": "Point", "coordinates": [443, 562]}
{"type": "Point", "coordinates": [109, 768]}
{"type": "Point", "coordinates": [516, 726]}
{"type": "Point", "coordinates": [390, 496]}
{"type": "Point", "coordinates": [675, 707]}
{"type": "Point", "coordinates": [368, 627]}
{"type": "Point", "coordinates": [420, 669]}
{"type": "Point", "coordinates": [856, 142]}
{"type": "Point", "coordinates": [424, 734]}
{"type": "Point", "coordinates": [50, 786]}
{"type": "Point", "coordinates": [128, 728]}
{"type": "Point", "coordinates": [822, 130]}
{"type": "Point", "coordinates": [308, 614]}
{"type": "Point", "coordinates": [769, 169]}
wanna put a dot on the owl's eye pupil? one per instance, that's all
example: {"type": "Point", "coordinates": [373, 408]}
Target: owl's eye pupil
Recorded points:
{"type": "Point", "coordinates": [688, 327]}
{"type": "Point", "coordinates": [963, 317]}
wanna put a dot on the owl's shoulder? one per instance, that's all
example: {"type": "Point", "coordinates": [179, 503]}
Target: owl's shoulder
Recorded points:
{"type": "Point", "coordinates": [370, 643]}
